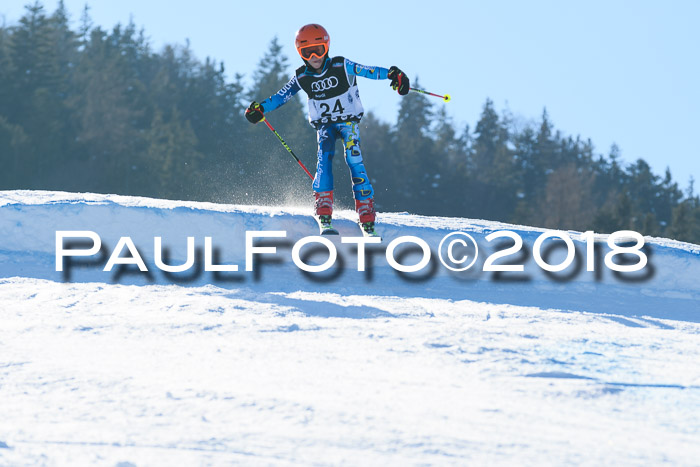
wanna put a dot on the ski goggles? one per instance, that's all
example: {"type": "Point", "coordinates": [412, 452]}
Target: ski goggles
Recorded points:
{"type": "Point", "coordinates": [315, 50]}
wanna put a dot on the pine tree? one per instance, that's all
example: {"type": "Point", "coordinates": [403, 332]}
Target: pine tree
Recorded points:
{"type": "Point", "coordinates": [14, 144]}
{"type": "Point", "coordinates": [685, 225]}
{"type": "Point", "coordinates": [668, 196]}
{"type": "Point", "coordinates": [450, 152]}
{"type": "Point", "coordinates": [530, 192]}
{"type": "Point", "coordinates": [171, 160]}
{"type": "Point", "coordinates": [111, 111]}
{"type": "Point", "coordinates": [415, 167]}
{"type": "Point", "coordinates": [616, 214]}
{"type": "Point", "coordinates": [35, 102]}
{"type": "Point", "coordinates": [65, 50]}
{"type": "Point", "coordinates": [379, 158]}
{"type": "Point", "coordinates": [86, 25]}
{"type": "Point", "coordinates": [6, 71]}
{"type": "Point", "coordinates": [495, 167]}
{"type": "Point", "coordinates": [567, 203]}
{"type": "Point", "coordinates": [547, 146]}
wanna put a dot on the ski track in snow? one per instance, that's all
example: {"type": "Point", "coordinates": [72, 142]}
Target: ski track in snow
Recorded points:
{"type": "Point", "coordinates": [285, 371]}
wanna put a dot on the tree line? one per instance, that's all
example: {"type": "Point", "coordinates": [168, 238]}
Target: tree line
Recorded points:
{"type": "Point", "coordinates": [99, 110]}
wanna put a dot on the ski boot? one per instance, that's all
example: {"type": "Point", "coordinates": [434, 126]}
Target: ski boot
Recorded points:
{"type": "Point", "coordinates": [324, 212]}
{"type": "Point", "coordinates": [365, 210]}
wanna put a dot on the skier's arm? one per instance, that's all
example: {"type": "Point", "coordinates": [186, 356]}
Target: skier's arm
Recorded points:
{"type": "Point", "coordinates": [282, 96]}
{"type": "Point", "coordinates": [256, 112]}
{"type": "Point", "coordinates": [399, 80]}
{"type": "Point", "coordinates": [370, 72]}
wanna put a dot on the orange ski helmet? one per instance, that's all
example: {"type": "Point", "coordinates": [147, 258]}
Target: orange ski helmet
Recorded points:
{"type": "Point", "coordinates": [312, 39]}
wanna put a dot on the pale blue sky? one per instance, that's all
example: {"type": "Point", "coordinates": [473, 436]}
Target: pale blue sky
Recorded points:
{"type": "Point", "coordinates": [613, 71]}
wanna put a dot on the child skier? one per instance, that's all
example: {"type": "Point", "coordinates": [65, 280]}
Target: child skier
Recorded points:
{"type": "Point", "coordinates": [335, 110]}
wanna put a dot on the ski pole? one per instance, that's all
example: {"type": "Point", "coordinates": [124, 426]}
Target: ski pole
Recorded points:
{"type": "Point", "coordinates": [446, 97]}
{"type": "Point", "coordinates": [286, 146]}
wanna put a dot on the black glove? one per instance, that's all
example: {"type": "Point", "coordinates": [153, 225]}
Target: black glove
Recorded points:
{"type": "Point", "coordinates": [399, 81]}
{"type": "Point", "coordinates": [255, 112]}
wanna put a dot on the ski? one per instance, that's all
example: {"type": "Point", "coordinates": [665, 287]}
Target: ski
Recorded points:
{"type": "Point", "coordinates": [325, 225]}
{"type": "Point", "coordinates": [368, 230]}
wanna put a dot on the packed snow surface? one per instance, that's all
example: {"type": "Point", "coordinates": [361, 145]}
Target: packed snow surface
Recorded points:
{"type": "Point", "coordinates": [278, 366]}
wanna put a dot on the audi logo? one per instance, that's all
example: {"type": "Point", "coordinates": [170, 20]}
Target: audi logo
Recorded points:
{"type": "Point", "coordinates": [327, 83]}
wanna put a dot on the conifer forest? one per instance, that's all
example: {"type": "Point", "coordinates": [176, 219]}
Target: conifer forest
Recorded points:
{"type": "Point", "coordinates": [94, 110]}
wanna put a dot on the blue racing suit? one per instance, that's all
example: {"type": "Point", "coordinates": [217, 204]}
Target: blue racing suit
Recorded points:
{"type": "Point", "coordinates": [335, 110]}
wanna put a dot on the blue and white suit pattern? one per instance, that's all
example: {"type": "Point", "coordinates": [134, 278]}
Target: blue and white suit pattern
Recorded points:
{"type": "Point", "coordinates": [335, 109]}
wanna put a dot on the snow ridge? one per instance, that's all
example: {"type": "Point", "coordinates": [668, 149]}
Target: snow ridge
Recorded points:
{"type": "Point", "coordinates": [667, 288]}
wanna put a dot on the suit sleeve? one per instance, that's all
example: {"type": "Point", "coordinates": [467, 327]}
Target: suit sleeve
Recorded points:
{"type": "Point", "coordinates": [370, 72]}
{"type": "Point", "coordinates": [282, 96]}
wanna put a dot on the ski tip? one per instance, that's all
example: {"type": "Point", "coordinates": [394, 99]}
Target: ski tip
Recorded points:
{"type": "Point", "coordinates": [372, 234]}
{"type": "Point", "coordinates": [325, 228]}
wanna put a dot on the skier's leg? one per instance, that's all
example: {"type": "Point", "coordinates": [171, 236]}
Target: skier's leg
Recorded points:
{"type": "Point", "coordinates": [323, 205]}
{"type": "Point", "coordinates": [323, 182]}
{"type": "Point", "coordinates": [361, 186]}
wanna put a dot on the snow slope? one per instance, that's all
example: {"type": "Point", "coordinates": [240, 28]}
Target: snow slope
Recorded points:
{"type": "Point", "coordinates": [277, 366]}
